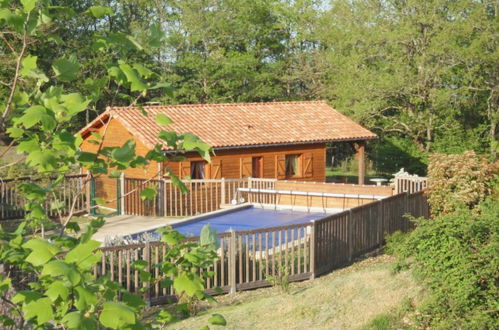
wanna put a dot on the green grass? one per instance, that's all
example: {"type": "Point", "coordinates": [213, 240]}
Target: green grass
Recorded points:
{"type": "Point", "coordinates": [358, 296]}
{"type": "Point", "coordinates": [341, 176]}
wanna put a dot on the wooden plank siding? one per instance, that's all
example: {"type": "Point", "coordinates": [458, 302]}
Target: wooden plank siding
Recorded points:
{"type": "Point", "coordinates": [236, 163]}
{"type": "Point", "coordinates": [227, 163]}
{"type": "Point", "coordinates": [116, 135]}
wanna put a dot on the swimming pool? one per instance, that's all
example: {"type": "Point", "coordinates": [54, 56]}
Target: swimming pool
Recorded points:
{"type": "Point", "coordinates": [240, 219]}
{"type": "Point", "coordinates": [247, 219]}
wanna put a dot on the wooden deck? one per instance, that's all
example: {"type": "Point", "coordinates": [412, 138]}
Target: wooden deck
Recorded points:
{"type": "Point", "coordinates": [128, 224]}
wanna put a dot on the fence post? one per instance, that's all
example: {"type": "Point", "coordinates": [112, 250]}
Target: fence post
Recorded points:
{"type": "Point", "coordinates": [381, 223]}
{"type": "Point", "coordinates": [88, 183]}
{"type": "Point", "coordinates": [92, 197]}
{"type": "Point", "coordinates": [232, 262]}
{"type": "Point", "coordinates": [406, 211]}
{"type": "Point", "coordinates": [250, 185]}
{"type": "Point", "coordinates": [147, 258]}
{"type": "Point", "coordinates": [350, 235]}
{"type": "Point", "coordinates": [312, 251]}
{"type": "Point", "coordinates": [222, 192]}
{"type": "Point", "coordinates": [121, 201]}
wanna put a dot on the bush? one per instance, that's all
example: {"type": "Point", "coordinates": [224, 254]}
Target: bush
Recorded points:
{"type": "Point", "coordinates": [456, 257]}
{"type": "Point", "coordinates": [461, 180]}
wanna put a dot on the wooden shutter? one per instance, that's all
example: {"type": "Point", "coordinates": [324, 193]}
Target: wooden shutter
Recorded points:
{"type": "Point", "coordinates": [184, 170]}
{"type": "Point", "coordinates": [246, 167]}
{"type": "Point", "coordinates": [280, 166]}
{"type": "Point", "coordinates": [216, 169]}
{"type": "Point", "coordinates": [308, 165]}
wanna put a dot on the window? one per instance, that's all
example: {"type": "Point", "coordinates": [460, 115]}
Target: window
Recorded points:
{"type": "Point", "coordinates": [197, 170]}
{"type": "Point", "coordinates": [293, 166]}
{"type": "Point", "coordinates": [257, 168]}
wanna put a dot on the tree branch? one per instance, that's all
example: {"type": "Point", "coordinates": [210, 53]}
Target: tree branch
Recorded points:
{"type": "Point", "coordinates": [16, 74]}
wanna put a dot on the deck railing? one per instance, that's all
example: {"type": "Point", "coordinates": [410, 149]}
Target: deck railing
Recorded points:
{"type": "Point", "coordinates": [210, 195]}
{"type": "Point", "coordinates": [73, 189]}
{"type": "Point", "coordinates": [411, 183]}
{"type": "Point", "coordinates": [301, 251]}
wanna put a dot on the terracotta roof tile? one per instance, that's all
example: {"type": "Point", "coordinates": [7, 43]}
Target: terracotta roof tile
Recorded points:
{"type": "Point", "coordinates": [243, 124]}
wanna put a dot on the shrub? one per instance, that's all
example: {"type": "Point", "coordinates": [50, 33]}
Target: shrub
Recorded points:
{"type": "Point", "coordinates": [456, 256]}
{"type": "Point", "coordinates": [461, 180]}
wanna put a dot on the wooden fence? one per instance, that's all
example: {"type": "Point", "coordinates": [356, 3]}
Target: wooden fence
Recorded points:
{"type": "Point", "coordinates": [73, 187]}
{"type": "Point", "coordinates": [301, 251]}
{"type": "Point", "coordinates": [203, 196]}
{"type": "Point", "coordinates": [210, 195]}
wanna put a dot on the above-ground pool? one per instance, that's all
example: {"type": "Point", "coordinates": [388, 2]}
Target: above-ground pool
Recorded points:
{"type": "Point", "coordinates": [241, 219]}
{"type": "Point", "coordinates": [247, 219]}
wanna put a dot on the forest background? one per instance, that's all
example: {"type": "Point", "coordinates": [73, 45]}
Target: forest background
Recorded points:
{"type": "Point", "coordinates": [423, 75]}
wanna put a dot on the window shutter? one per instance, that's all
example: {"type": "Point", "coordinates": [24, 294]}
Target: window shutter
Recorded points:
{"type": "Point", "coordinates": [308, 165]}
{"type": "Point", "coordinates": [246, 167]}
{"type": "Point", "coordinates": [216, 169]}
{"type": "Point", "coordinates": [184, 170]}
{"type": "Point", "coordinates": [280, 166]}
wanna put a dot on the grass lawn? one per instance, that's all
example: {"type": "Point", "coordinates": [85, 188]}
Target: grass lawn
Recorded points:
{"type": "Point", "coordinates": [365, 295]}
{"type": "Point", "coordinates": [340, 176]}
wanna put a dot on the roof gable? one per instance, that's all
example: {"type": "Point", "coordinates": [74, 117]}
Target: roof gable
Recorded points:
{"type": "Point", "coordinates": [242, 124]}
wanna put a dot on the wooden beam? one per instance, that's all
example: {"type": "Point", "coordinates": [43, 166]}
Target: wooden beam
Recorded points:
{"type": "Point", "coordinates": [361, 158]}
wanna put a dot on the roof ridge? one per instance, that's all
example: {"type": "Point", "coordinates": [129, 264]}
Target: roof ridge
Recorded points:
{"type": "Point", "coordinates": [198, 105]}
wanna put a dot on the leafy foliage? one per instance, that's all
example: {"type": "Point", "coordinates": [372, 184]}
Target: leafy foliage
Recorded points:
{"type": "Point", "coordinates": [50, 281]}
{"type": "Point", "coordinates": [459, 180]}
{"type": "Point", "coordinates": [456, 258]}
{"type": "Point", "coordinates": [455, 253]}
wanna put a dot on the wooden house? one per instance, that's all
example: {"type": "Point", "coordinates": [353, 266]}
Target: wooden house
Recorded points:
{"type": "Point", "coordinates": [282, 140]}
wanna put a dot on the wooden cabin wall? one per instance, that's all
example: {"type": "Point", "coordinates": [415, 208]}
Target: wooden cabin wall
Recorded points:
{"type": "Point", "coordinates": [116, 135]}
{"type": "Point", "coordinates": [230, 162]}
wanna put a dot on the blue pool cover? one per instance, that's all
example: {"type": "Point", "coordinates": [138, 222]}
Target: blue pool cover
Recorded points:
{"type": "Point", "coordinates": [244, 219]}
{"type": "Point", "coordinates": [247, 219]}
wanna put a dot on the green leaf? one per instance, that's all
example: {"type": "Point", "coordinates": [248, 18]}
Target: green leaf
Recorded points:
{"type": "Point", "coordinates": [15, 132]}
{"type": "Point", "coordinates": [41, 251]}
{"type": "Point", "coordinates": [84, 255]}
{"type": "Point", "coordinates": [14, 20]}
{"type": "Point", "coordinates": [125, 153]}
{"type": "Point", "coordinates": [58, 268]}
{"type": "Point", "coordinates": [148, 194]}
{"type": "Point", "coordinates": [164, 316]}
{"type": "Point", "coordinates": [142, 70]}
{"type": "Point", "coordinates": [208, 237]}
{"type": "Point", "coordinates": [66, 69]}
{"type": "Point", "coordinates": [26, 296]}
{"type": "Point", "coordinates": [28, 64]}
{"type": "Point", "coordinates": [100, 11]}
{"type": "Point", "coordinates": [217, 319]}
{"type": "Point", "coordinates": [41, 309]}
{"type": "Point", "coordinates": [86, 158]}
{"type": "Point", "coordinates": [32, 116]}
{"type": "Point", "coordinates": [57, 289]}
{"type": "Point", "coordinates": [168, 88]}
{"type": "Point", "coordinates": [37, 212]}
{"type": "Point", "coordinates": [189, 283]}
{"type": "Point", "coordinates": [74, 103]}
{"type": "Point", "coordinates": [99, 201]}
{"type": "Point", "coordinates": [28, 146]}
{"type": "Point", "coordinates": [28, 5]}
{"type": "Point", "coordinates": [163, 119]}
{"type": "Point", "coordinates": [44, 160]}
{"type": "Point", "coordinates": [116, 315]}
{"type": "Point", "coordinates": [136, 83]}
{"type": "Point", "coordinates": [170, 236]}
{"type": "Point", "coordinates": [84, 298]}
{"type": "Point", "coordinates": [133, 300]}
{"type": "Point", "coordinates": [78, 320]}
